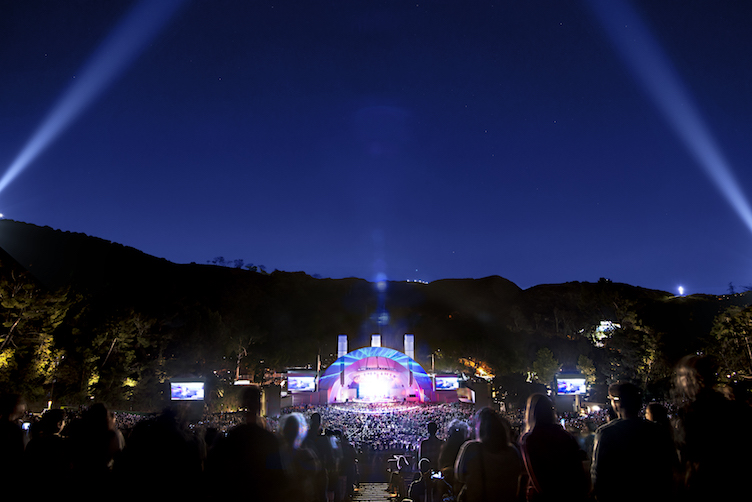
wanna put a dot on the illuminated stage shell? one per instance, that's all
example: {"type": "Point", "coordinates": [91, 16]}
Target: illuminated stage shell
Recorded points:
{"type": "Point", "coordinates": [375, 374]}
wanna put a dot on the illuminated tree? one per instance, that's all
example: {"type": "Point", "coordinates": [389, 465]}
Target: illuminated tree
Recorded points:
{"type": "Point", "coordinates": [730, 342]}
{"type": "Point", "coordinates": [545, 366]}
{"type": "Point", "coordinates": [586, 367]}
{"type": "Point", "coordinates": [30, 318]}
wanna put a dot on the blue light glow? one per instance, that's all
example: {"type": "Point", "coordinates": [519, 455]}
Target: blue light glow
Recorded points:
{"type": "Point", "coordinates": [654, 71]}
{"type": "Point", "coordinates": [114, 55]}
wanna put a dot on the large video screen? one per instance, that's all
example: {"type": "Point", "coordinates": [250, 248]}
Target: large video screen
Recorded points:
{"type": "Point", "coordinates": [298, 383]}
{"type": "Point", "coordinates": [447, 382]}
{"type": "Point", "coordinates": [571, 386]}
{"type": "Point", "coordinates": [187, 391]}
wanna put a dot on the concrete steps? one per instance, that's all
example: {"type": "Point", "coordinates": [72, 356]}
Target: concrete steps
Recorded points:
{"type": "Point", "coordinates": [373, 492]}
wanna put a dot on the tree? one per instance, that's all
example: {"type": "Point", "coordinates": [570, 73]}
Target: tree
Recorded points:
{"type": "Point", "coordinates": [28, 352]}
{"type": "Point", "coordinates": [730, 343]}
{"type": "Point", "coordinates": [586, 367]}
{"type": "Point", "coordinates": [545, 366]}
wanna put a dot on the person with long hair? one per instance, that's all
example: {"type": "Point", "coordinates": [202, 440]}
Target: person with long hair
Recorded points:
{"type": "Point", "coordinates": [489, 467]}
{"type": "Point", "coordinates": [552, 457]}
{"type": "Point", "coordinates": [713, 434]}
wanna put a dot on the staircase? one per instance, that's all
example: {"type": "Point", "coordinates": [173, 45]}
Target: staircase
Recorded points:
{"type": "Point", "coordinates": [373, 492]}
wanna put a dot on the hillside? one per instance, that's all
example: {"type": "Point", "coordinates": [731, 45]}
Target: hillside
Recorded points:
{"type": "Point", "coordinates": [121, 314]}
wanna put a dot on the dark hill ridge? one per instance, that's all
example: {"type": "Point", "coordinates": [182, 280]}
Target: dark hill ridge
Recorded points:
{"type": "Point", "coordinates": [295, 315]}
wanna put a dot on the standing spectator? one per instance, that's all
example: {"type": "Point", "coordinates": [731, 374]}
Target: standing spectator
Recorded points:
{"type": "Point", "coordinates": [553, 458]}
{"type": "Point", "coordinates": [95, 442]}
{"type": "Point", "coordinates": [458, 432]}
{"type": "Point", "coordinates": [318, 442]}
{"type": "Point", "coordinates": [716, 462]}
{"type": "Point", "coordinates": [47, 457]}
{"type": "Point", "coordinates": [489, 467]}
{"type": "Point", "coordinates": [12, 408]}
{"type": "Point", "coordinates": [302, 468]}
{"type": "Point", "coordinates": [431, 448]}
{"type": "Point", "coordinates": [248, 461]}
{"type": "Point", "coordinates": [633, 459]}
{"type": "Point", "coordinates": [160, 451]}
{"type": "Point", "coordinates": [656, 412]}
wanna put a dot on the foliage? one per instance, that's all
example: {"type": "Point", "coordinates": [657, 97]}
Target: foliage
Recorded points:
{"type": "Point", "coordinates": [586, 367]}
{"type": "Point", "coordinates": [545, 366]}
{"type": "Point", "coordinates": [128, 322]}
{"type": "Point", "coordinates": [237, 263]}
{"type": "Point", "coordinates": [30, 317]}
{"type": "Point", "coordinates": [730, 343]}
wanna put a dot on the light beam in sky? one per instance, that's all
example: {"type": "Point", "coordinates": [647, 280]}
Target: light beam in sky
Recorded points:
{"type": "Point", "coordinates": [653, 70]}
{"type": "Point", "coordinates": [115, 54]}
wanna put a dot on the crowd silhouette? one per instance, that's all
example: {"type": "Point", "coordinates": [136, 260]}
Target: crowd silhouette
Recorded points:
{"type": "Point", "coordinates": [696, 448]}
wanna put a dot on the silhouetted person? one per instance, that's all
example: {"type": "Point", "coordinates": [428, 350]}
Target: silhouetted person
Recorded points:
{"type": "Point", "coordinates": [430, 448]}
{"type": "Point", "coordinates": [713, 435]}
{"type": "Point", "coordinates": [47, 462]}
{"type": "Point", "coordinates": [12, 409]}
{"type": "Point", "coordinates": [397, 476]}
{"type": "Point", "coordinates": [553, 458]}
{"type": "Point", "coordinates": [317, 441]}
{"type": "Point", "coordinates": [632, 458]}
{"type": "Point", "coordinates": [162, 459]}
{"type": "Point", "coordinates": [95, 442]}
{"type": "Point", "coordinates": [656, 412]}
{"type": "Point", "coordinates": [247, 463]}
{"type": "Point", "coordinates": [458, 433]}
{"type": "Point", "coordinates": [350, 464]}
{"type": "Point", "coordinates": [489, 467]}
{"type": "Point", "coordinates": [302, 469]}
{"type": "Point", "coordinates": [425, 489]}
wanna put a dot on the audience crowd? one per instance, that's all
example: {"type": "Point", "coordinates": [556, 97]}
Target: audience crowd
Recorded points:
{"type": "Point", "coordinates": [432, 453]}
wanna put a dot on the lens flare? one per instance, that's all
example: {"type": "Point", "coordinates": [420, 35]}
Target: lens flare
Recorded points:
{"type": "Point", "coordinates": [653, 70]}
{"type": "Point", "coordinates": [112, 58]}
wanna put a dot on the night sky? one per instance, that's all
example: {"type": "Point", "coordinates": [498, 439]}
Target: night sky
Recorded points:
{"type": "Point", "coordinates": [420, 140]}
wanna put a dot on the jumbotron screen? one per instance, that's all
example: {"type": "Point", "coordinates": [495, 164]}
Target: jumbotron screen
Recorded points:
{"type": "Point", "coordinates": [187, 391]}
{"type": "Point", "coordinates": [299, 383]}
{"type": "Point", "coordinates": [449, 382]}
{"type": "Point", "coordinates": [571, 386]}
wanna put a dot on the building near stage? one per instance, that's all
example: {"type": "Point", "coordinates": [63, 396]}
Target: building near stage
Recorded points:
{"type": "Point", "coordinates": [374, 374]}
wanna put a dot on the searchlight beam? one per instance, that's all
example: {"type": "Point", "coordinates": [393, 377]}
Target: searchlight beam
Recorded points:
{"type": "Point", "coordinates": [115, 54]}
{"type": "Point", "coordinates": [650, 66]}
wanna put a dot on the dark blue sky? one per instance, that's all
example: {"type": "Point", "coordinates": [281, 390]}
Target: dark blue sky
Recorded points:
{"type": "Point", "coordinates": [421, 140]}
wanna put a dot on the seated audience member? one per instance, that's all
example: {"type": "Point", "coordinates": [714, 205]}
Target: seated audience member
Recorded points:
{"type": "Point", "coordinates": [425, 488]}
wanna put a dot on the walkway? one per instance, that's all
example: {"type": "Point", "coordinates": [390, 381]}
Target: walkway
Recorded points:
{"type": "Point", "coordinates": [373, 492]}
